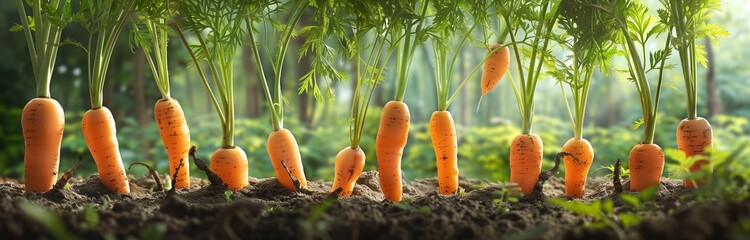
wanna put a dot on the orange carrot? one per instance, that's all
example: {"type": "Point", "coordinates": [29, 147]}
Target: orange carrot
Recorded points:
{"type": "Point", "coordinates": [230, 164]}
{"type": "Point", "coordinates": [389, 147]}
{"type": "Point", "coordinates": [286, 160]}
{"type": "Point", "coordinates": [577, 171]}
{"type": "Point", "coordinates": [101, 138]}
{"type": "Point", "coordinates": [42, 122]}
{"type": "Point", "coordinates": [349, 165]}
{"type": "Point", "coordinates": [646, 164]}
{"type": "Point", "coordinates": [443, 135]}
{"type": "Point", "coordinates": [175, 135]}
{"type": "Point", "coordinates": [495, 67]}
{"type": "Point", "coordinates": [526, 161]}
{"type": "Point", "coordinates": [694, 136]}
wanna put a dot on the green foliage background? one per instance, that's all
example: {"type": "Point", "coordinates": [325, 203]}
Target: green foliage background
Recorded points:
{"type": "Point", "coordinates": [321, 131]}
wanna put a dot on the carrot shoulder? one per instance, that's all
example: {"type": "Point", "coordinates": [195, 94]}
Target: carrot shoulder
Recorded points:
{"type": "Point", "coordinates": [286, 160]}
{"type": "Point", "coordinates": [526, 161]}
{"type": "Point", "coordinates": [389, 148]}
{"type": "Point", "coordinates": [175, 135]}
{"type": "Point", "coordinates": [42, 122]}
{"type": "Point", "coordinates": [100, 134]}
{"type": "Point", "coordinates": [443, 135]}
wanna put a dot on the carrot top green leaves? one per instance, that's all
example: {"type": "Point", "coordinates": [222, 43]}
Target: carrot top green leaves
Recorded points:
{"type": "Point", "coordinates": [690, 20]}
{"type": "Point", "coordinates": [218, 28]}
{"type": "Point", "coordinates": [150, 32]}
{"type": "Point", "coordinates": [42, 30]}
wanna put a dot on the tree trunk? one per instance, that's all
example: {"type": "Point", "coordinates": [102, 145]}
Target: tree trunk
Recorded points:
{"type": "Point", "coordinates": [253, 99]}
{"type": "Point", "coordinates": [141, 111]}
{"type": "Point", "coordinates": [714, 105]}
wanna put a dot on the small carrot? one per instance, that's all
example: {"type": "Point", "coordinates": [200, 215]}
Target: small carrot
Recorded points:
{"type": "Point", "coordinates": [286, 160]}
{"type": "Point", "coordinates": [348, 166]}
{"type": "Point", "coordinates": [646, 164]}
{"type": "Point", "coordinates": [230, 164]}
{"type": "Point", "coordinates": [101, 138]}
{"type": "Point", "coordinates": [389, 147]}
{"type": "Point", "coordinates": [175, 135]}
{"type": "Point", "coordinates": [443, 135]}
{"type": "Point", "coordinates": [494, 67]}
{"type": "Point", "coordinates": [577, 171]}
{"type": "Point", "coordinates": [694, 136]}
{"type": "Point", "coordinates": [42, 122]}
{"type": "Point", "coordinates": [526, 161]}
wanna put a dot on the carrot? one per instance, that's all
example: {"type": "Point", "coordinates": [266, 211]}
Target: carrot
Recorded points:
{"type": "Point", "coordinates": [348, 166]}
{"type": "Point", "coordinates": [175, 135]}
{"type": "Point", "coordinates": [231, 166]}
{"type": "Point", "coordinates": [389, 147]}
{"type": "Point", "coordinates": [443, 135]}
{"type": "Point", "coordinates": [101, 138]}
{"type": "Point", "coordinates": [284, 153]}
{"type": "Point", "coordinates": [694, 136]}
{"type": "Point", "coordinates": [646, 164]}
{"type": "Point", "coordinates": [494, 67]}
{"type": "Point", "coordinates": [577, 171]}
{"type": "Point", "coordinates": [526, 161]}
{"type": "Point", "coordinates": [42, 122]}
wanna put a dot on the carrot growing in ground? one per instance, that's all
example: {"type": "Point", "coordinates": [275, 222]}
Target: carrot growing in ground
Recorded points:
{"type": "Point", "coordinates": [371, 46]}
{"type": "Point", "coordinates": [281, 145]}
{"type": "Point", "coordinates": [526, 150]}
{"type": "Point", "coordinates": [442, 126]}
{"type": "Point", "coordinates": [694, 133]}
{"type": "Point", "coordinates": [104, 20]}
{"type": "Point", "coordinates": [151, 34]}
{"type": "Point", "coordinates": [393, 131]}
{"type": "Point", "coordinates": [590, 40]}
{"type": "Point", "coordinates": [223, 21]}
{"type": "Point", "coordinates": [646, 160]}
{"type": "Point", "coordinates": [42, 120]}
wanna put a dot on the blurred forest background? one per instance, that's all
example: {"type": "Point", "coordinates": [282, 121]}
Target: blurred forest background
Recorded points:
{"type": "Point", "coordinates": [320, 126]}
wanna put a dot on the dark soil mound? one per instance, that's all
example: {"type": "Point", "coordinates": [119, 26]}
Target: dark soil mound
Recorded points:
{"type": "Point", "coordinates": [266, 210]}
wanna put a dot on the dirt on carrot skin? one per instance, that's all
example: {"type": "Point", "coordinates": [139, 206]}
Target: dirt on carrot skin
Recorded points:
{"type": "Point", "coordinates": [267, 210]}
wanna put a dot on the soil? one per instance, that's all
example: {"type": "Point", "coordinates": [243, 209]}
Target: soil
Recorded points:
{"type": "Point", "coordinates": [266, 210]}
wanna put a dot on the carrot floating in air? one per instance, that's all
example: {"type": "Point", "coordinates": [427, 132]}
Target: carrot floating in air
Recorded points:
{"type": "Point", "coordinates": [389, 147]}
{"type": "Point", "coordinates": [42, 122]}
{"type": "Point", "coordinates": [494, 67]}
{"type": "Point", "coordinates": [646, 164]}
{"type": "Point", "coordinates": [349, 165]}
{"type": "Point", "coordinates": [577, 169]}
{"type": "Point", "coordinates": [526, 161]}
{"type": "Point", "coordinates": [286, 160]}
{"type": "Point", "coordinates": [101, 137]}
{"type": "Point", "coordinates": [694, 137]}
{"type": "Point", "coordinates": [175, 135]}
